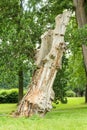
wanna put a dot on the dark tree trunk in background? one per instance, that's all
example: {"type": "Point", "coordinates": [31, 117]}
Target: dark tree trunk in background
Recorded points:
{"type": "Point", "coordinates": [84, 48]}
{"type": "Point", "coordinates": [82, 20]}
{"type": "Point", "coordinates": [86, 94]}
{"type": "Point", "coordinates": [20, 94]}
{"type": "Point", "coordinates": [20, 73]}
{"type": "Point", "coordinates": [80, 12]}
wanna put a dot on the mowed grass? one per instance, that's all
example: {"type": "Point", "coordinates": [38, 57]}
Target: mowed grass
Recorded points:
{"type": "Point", "coordinates": [71, 116]}
{"type": "Point", "coordinates": [6, 109]}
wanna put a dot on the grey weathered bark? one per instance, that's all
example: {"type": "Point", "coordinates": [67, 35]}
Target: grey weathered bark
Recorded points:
{"type": "Point", "coordinates": [40, 94]}
{"type": "Point", "coordinates": [82, 20]}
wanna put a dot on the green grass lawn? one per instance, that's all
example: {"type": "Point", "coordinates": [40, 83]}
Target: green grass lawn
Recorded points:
{"type": "Point", "coordinates": [71, 116]}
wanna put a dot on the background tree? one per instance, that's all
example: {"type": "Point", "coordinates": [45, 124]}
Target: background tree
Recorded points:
{"type": "Point", "coordinates": [75, 36]}
{"type": "Point", "coordinates": [80, 10]}
{"type": "Point", "coordinates": [17, 47]}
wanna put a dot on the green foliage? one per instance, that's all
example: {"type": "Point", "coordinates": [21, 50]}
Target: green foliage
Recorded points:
{"type": "Point", "coordinates": [48, 12]}
{"type": "Point", "coordinates": [64, 100]}
{"type": "Point", "coordinates": [60, 83]}
{"type": "Point", "coordinates": [70, 93]}
{"type": "Point", "coordinates": [19, 34]}
{"type": "Point", "coordinates": [76, 36]}
{"type": "Point", "coordinates": [9, 96]}
{"type": "Point", "coordinates": [16, 46]}
{"type": "Point", "coordinates": [76, 72]}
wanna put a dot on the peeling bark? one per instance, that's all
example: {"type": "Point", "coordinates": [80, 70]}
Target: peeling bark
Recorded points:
{"type": "Point", "coordinates": [40, 95]}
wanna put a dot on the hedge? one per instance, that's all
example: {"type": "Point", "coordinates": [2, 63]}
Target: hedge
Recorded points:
{"type": "Point", "coordinates": [9, 96]}
{"type": "Point", "coordinates": [70, 93]}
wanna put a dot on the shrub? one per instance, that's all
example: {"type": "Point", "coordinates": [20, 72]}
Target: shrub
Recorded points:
{"type": "Point", "coordinates": [70, 93]}
{"type": "Point", "coordinates": [64, 100]}
{"type": "Point", "coordinates": [9, 96]}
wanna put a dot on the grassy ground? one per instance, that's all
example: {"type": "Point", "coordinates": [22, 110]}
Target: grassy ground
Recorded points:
{"type": "Point", "coordinates": [71, 116]}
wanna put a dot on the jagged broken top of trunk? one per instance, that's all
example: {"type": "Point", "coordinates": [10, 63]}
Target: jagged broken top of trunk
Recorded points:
{"type": "Point", "coordinates": [40, 94]}
{"type": "Point", "coordinates": [53, 38]}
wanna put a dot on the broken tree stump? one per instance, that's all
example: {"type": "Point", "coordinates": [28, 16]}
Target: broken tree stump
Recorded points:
{"type": "Point", "coordinates": [40, 95]}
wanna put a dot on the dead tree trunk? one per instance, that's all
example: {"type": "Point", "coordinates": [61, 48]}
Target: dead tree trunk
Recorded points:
{"type": "Point", "coordinates": [40, 95]}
